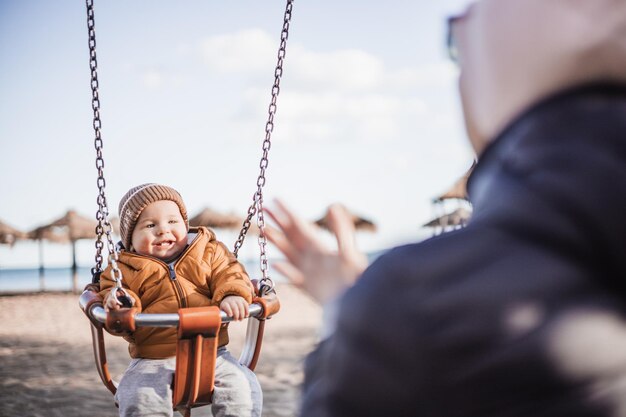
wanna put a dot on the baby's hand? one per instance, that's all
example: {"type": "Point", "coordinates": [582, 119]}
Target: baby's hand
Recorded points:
{"type": "Point", "coordinates": [235, 306]}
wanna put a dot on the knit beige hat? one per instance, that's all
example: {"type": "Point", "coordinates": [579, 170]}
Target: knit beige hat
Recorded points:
{"type": "Point", "coordinates": [137, 199]}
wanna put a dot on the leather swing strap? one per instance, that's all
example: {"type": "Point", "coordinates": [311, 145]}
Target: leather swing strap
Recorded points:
{"type": "Point", "coordinates": [271, 306]}
{"type": "Point", "coordinates": [89, 299]}
{"type": "Point", "coordinates": [196, 352]}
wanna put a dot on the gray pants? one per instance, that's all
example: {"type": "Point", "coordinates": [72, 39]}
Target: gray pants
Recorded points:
{"type": "Point", "coordinates": [145, 388]}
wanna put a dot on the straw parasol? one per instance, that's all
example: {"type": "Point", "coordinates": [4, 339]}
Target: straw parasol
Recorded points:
{"type": "Point", "coordinates": [360, 223]}
{"type": "Point", "coordinates": [216, 220]}
{"type": "Point", "coordinates": [211, 218]}
{"type": "Point", "coordinates": [458, 217]}
{"type": "Point", "coordinates": [458, 189]}
{"type": "Point", "coordinates": [9, 235]}
{"type": "Point", "coordinates": [69, 228]}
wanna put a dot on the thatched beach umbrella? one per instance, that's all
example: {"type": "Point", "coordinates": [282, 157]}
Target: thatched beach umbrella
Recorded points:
{"type": "Point", "coordinates": [214, 219]}
{"type": "Point", "coordinates": [9, 235]}
{"type": "Point", "coordinates": [458, 217]}
{"type": "Point", "coordinates": [458, 189]}
{"type": "Point", "coordinates": [40, 234]}
{"type": "Point", "coordinates": [360, 223]}
{"type": "Point", "coordinates": [210, 218]}
{"type": "Point", "coordinates": [69, 228]}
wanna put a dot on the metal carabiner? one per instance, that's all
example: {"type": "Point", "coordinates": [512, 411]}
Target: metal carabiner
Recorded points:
{"type": "Point", "coordinates": [266, 286]}
{"type": "Point", "coordinates": [121, 297]}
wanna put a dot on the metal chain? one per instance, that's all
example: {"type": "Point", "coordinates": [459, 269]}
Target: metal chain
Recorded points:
{"type": "Point", "coordinates": [104, 225]}
{"type": "Point", "coordinates": [266, 284]}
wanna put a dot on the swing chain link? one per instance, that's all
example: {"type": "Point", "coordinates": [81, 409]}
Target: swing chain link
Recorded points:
{"type": "Point", "coordinates": [104, 225]}
{"type": "Point", "coordinates": [266, 284]}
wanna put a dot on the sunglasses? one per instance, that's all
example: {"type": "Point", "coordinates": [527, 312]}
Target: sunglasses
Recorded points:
{"type": "Point", "coordinates": [451, 41]}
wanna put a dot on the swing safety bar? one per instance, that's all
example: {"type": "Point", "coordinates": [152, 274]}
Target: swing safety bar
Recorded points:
{"type": "Point", "coordinates": [161, 320]}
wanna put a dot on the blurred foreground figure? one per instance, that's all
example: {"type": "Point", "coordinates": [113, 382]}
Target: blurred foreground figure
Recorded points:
{"type": "Point", "coordinates": [523, 312]}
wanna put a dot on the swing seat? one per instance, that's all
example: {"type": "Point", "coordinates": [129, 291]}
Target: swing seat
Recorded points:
{"type": "Point", "coordinates": [196, 348]}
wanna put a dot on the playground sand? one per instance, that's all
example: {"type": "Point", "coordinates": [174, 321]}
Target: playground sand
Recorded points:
{"type": "Point", "coordinates": [47, 366]}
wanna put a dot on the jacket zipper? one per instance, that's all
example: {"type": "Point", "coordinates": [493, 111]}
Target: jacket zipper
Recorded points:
{"type": "Point", "coordinates": [177, 287]}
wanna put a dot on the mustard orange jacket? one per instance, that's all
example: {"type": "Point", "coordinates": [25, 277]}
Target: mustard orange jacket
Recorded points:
{"type": "Point", "coordinates": [204, 274]}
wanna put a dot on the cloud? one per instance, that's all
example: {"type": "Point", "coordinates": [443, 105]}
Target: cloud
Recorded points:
{"type": "Point", "coordinates": [431, 75]}
{"type": "Point", "coordinates": [247, 51]}
{"type": "Point", "coordinates": [334, 115]}
{"type": "Point", "coordinates": [313, 106]}
{"type": "Point", "coordinates": [350, 69]}
{"type": "Point", "coordinates": [152, 80]}
{"type": "Point", "coordinates": [158, 79]}
{"type": "Point", "coordinates": [254, 51]}
{"type": "Point", "coordinates": [337, 95]}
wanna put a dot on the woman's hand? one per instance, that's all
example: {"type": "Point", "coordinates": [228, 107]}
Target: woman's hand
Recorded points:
{"type": "Point", "coordinates": [235, 306]}
{"type": "Point", "coordinates": [323, 273]}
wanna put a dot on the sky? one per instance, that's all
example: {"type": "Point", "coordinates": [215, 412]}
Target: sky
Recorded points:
{"type": "Point", "coordinates": [368, 113]}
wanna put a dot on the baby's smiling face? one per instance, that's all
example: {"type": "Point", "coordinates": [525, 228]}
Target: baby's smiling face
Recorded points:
{"type": "Point", "coordinates": [160, 232]}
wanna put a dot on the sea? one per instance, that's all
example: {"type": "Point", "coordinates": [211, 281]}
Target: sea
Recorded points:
{"type": "Point", "coordinates": [27, 280]}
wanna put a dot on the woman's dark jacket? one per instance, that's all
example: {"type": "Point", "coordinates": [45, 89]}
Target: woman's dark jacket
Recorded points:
{"type": "Point", "coordinates": [523, 312]}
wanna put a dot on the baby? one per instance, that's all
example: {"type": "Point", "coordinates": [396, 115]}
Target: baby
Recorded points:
{"type": "Point", "coordinates": [166, 266]}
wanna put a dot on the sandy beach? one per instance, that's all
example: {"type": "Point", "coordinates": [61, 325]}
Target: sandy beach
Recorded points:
{"type": "Point", "coordinates": [47, 366]}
